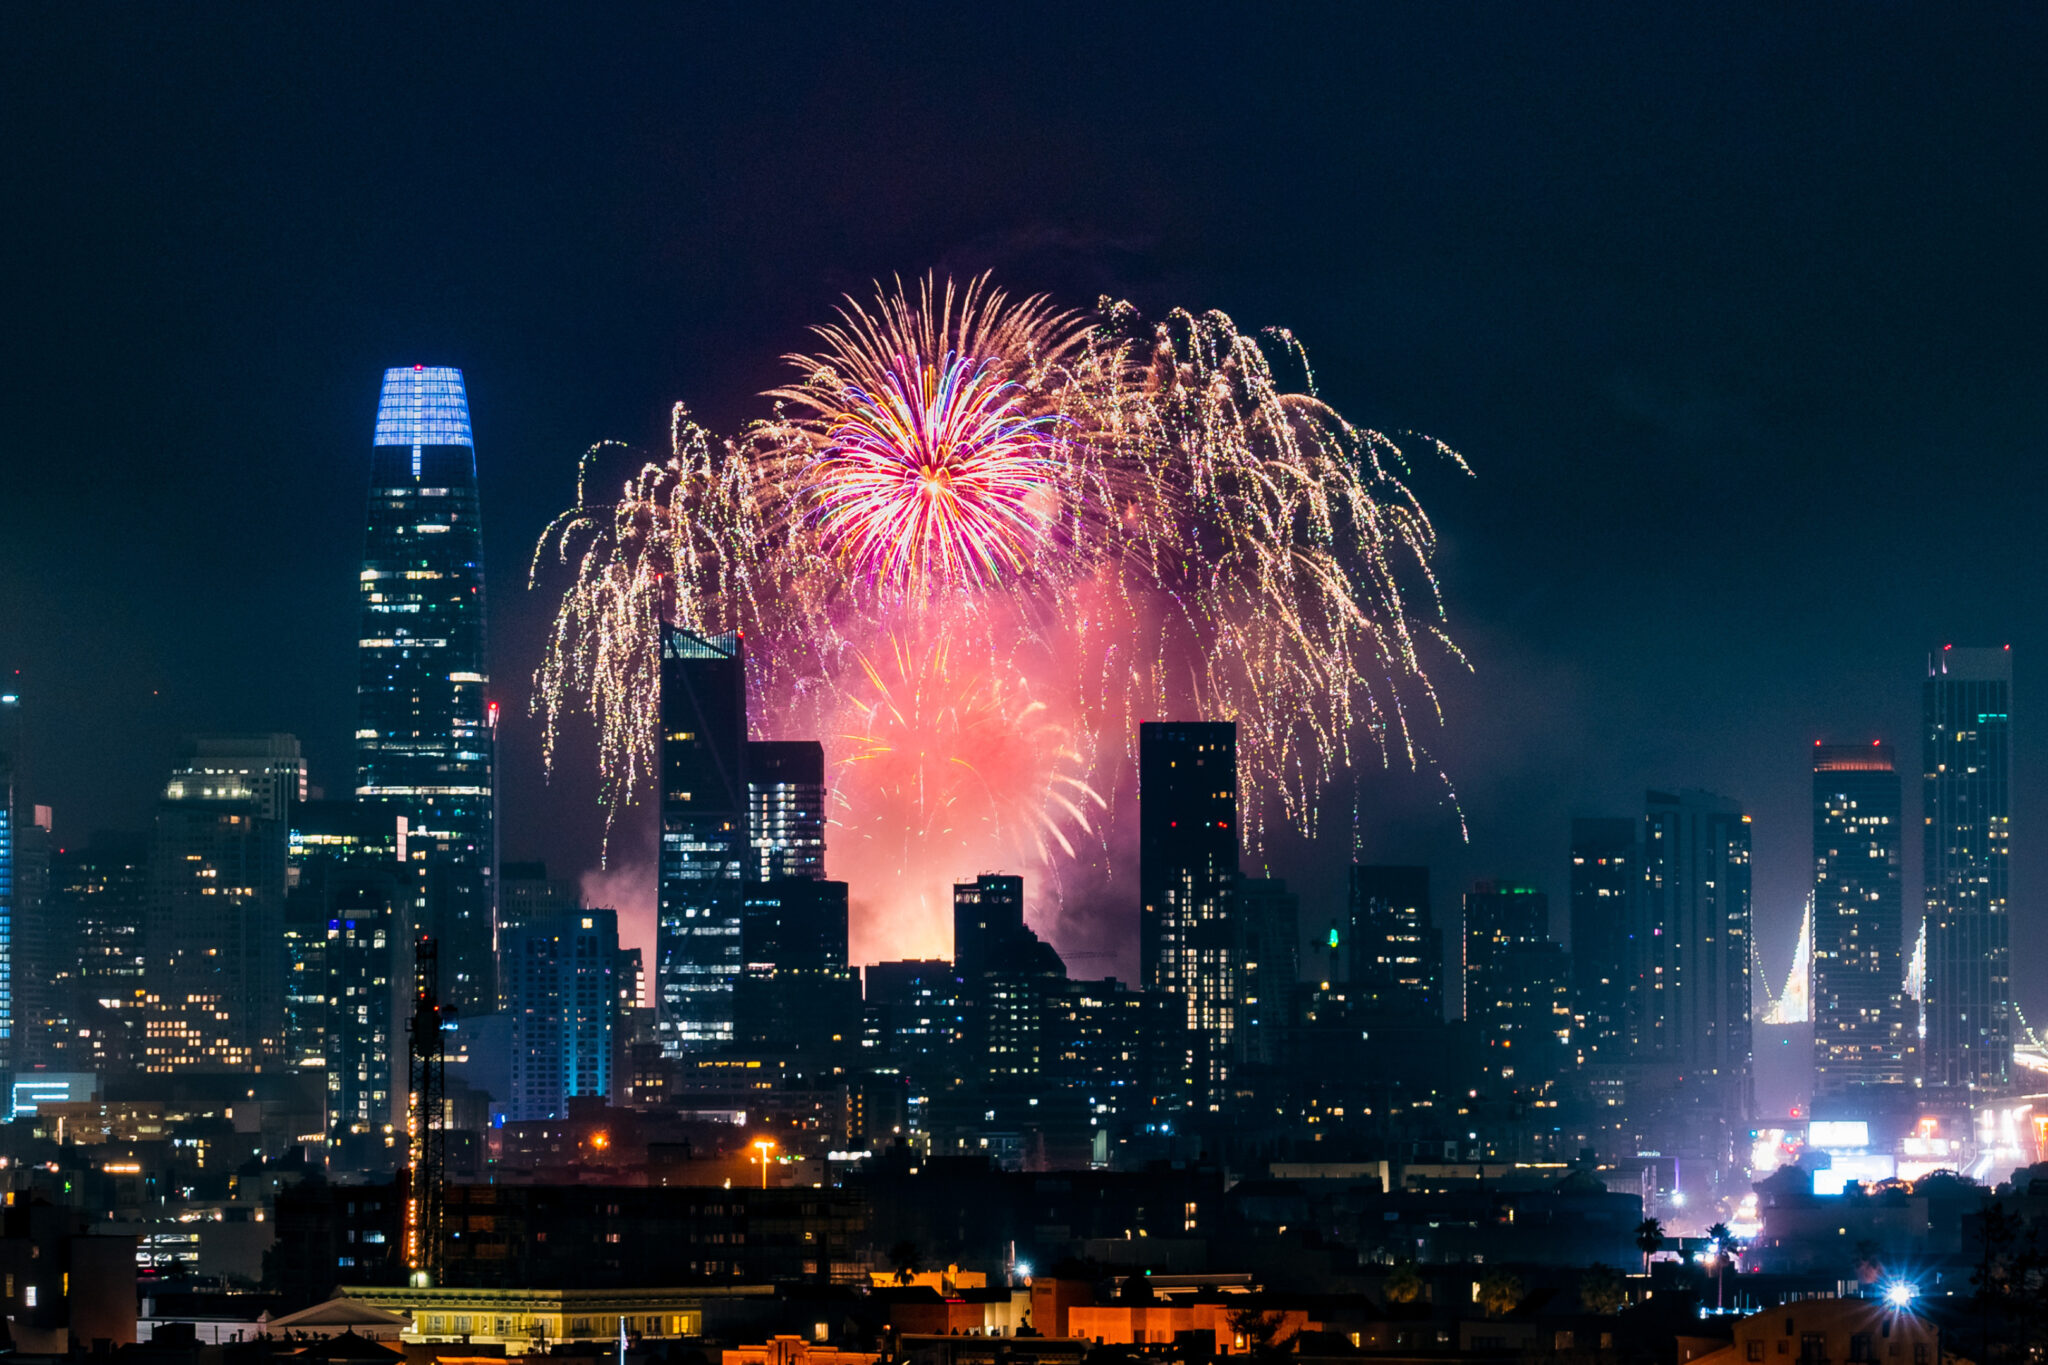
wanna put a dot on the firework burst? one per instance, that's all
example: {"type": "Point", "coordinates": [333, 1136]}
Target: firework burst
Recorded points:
{"type": "Point", "coordinates": [977, 541]}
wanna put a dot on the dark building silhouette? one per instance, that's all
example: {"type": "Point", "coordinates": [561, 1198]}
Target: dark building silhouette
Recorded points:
{"type": "Point", "coordinates": [1858, 920]}
{"type": "Point", "coordinates": [426, 745]}
{"type": "Point", "coordinates": [1606, 882]}
{"type": "Point", "coordinates": [1966, 753]}
{"type": "Point", "coordinates": [1392, 955]}
{"type": "Point", "coordinates": [785, 808]}
{"type": "Point", "coordinates": [1007, 974]}
{"type": "Point", "coordinates": [704, 851]}
{"type": "Point", "coordinates": [796, 991]}
{"type": "Point", "coordinates": [1187, 878]}
{"type": "Point", "coordinates": [1268, 956]}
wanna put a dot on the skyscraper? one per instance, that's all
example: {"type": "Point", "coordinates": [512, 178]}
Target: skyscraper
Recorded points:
{"type": "Point", "coordinates": [1498, 916]}
{"type": "Point", "coordinates": [1393, 953]}
{"type": "Point", "coordinates": [365, 988]}
{"type": "Point", "coordinates": [704, 847]}
{"type": "Point", "coordinates": [1268, 954]}
{"type": "Point", "coordinates": [343, 866]}
{"type": "Point", "coordinates": [11, 821]}
{"type": "Point", "coordinates": [796, 991]}
{"type": "Point", "coordinates": [214, 935]}
{"type": "Point", "coordinates": [99, 893]}
{"type": "Point", "coordinates": [564, 1007]}
{"type": "Point", "coordinates": [425, 730]}
{"type": "Point", "coordinates": [785, 808]}
{"type": "Point", "coordinates": [1606, 883]}
{"type": "Point", "coordinates": [1967, 756]}
{"type": "Point", "coordinates": [1187, 877]}
{"type": "Point", "coordinates": [1517, 987]}
{"type": "Point", "coordinates": [1858, 919]}
{"type": "Point", "coordinates": [1692, 943]}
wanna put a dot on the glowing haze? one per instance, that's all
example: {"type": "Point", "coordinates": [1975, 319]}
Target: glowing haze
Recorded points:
{"type": "Point", "coordinates": [973, 544]}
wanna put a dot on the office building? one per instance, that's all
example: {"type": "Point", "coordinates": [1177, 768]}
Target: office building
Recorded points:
{"type": "Point", "coordinates": [1606, 884]}
{"type": "Point", "coordinates": [564, 1009]}
{"type": "Point", "coordinates": [1858, 974]}
{"type": "Point", "coordinates": [796, 991]}
{"type": "Point", "coordinates": [1389, 951]}
{"type": "Point", "coordinates": [99, 893]}
{"type": "Point", "coordinates": [1187, 879]}
{"type": "Point", "coordinates": [1966, 735]}
{"type": "Point", "coordinates": [338, 852]}
{"type": "Point", "coordinates": [527, 893]}
{"type": "Point", "coordinates": [785, 809]}
{"type": "Point", "coordinates": [425, 728]}
{"type": "Point", "coordinates": [704, 850]}
{"type": "Point", "coordinates": [914, 1019]}
{"type": "Point", "coordinates": [1691, 997]}
{"type": "Point", "coordinates": [1268, 957]}
{"type": "Point", "coordinates": [214, 935]}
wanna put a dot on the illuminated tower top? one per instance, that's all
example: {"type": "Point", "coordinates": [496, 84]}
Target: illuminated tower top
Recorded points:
{"type": "Point", "coordinates": [423, 405]}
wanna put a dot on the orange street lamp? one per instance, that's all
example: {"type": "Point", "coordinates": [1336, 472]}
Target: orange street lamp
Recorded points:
{"type": "Point", "coordinates": [763, 1145]}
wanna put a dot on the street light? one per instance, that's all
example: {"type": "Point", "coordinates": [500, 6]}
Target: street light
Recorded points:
{"type": "Point", "coordinates": [1899, 1293]}
{"type": "Point", "coordinates": [763, 1146]}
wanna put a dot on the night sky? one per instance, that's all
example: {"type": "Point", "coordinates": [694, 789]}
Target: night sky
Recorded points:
{"type": "Point", "coordinates": [1737, 316]}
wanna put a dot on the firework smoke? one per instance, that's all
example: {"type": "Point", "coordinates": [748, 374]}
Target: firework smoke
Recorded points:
{"type": "Point", "coordinates": [974, 544]}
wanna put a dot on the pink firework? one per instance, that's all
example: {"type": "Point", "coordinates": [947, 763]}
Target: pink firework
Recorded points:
{"type": "Point", "coordinates": [938, 475]}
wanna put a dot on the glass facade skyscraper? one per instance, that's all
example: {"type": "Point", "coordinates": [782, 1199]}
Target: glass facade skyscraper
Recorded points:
{"type": "Point", "coordinates": [786, 808]}
{"type": "Point", "coordinates": [704, 846]}
{"type": "Point", "coordinates": [1858, 919]}
{"type": "Point", "coordinates": [1967, 756]}
{"type": "Point", "coordinates": [425, 733]}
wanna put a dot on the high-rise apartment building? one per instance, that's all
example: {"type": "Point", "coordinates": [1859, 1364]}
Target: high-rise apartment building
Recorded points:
{"type": "Point", "coordinates": [1857, 977]}
{"type": "Point", "coordinates": [1392, 954]}
{"type": "Point", "coordinates": [426, 744]}
{"type": "Point", "coordinates": [1606, 884]}
{"type": "Point", "coordinates": [1691, 960]}
{"type": "Point", "coordinates": [1006, 973]}
{"type": "Point", "coordinates": [785, 808]}
{"type": "Point", "coordinates": [704, 845]}
{"type": "Point", "coordinates": [1966, 737]}
{"type": "Point", "coordinates": [366, 979]}
{"type": "Point", "coordinates": [1187, 878]}
{"type": "Point", "coordinates": [527, 893]}
{"type": "Point", "coordinates": [1499, 916]}
{"type": "Point", "coordinates": [564, 1010]}
{"type": "Point", "coordinates": [214, 936]}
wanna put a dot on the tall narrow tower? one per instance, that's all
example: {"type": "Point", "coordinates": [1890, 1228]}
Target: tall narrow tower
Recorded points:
{"type": "Point", "coordinates": [1858, 919]}
{"type": "Point", "coordinates": [1187, 877]}
{"type": "Point", "coordinates": [1967, 756]}
{"type": "Point", "coordinates": [425, 733]}
{"type": "Point", "coordinates": [704, 848]}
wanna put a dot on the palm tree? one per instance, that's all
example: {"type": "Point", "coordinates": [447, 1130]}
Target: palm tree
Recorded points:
{"type": "Point", "coordinates": [1723, 1243]}
{"type": "Point", "coordinates": [1404, 1285]}
{"type": "Point", "coordinates": [1499, 1293]}
{"type": "Point", "coordinates": [1601, 1291]}
{"type": "Point", "coordinates": [1650, 1239]}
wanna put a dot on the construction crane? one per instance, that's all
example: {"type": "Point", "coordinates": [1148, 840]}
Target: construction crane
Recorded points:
{"type": "Point", "coordinates": [426, 1118]}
